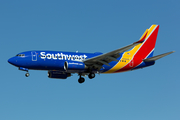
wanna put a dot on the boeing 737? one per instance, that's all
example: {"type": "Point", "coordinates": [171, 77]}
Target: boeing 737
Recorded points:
{"type": "Point", "coordinates": [61, 64]}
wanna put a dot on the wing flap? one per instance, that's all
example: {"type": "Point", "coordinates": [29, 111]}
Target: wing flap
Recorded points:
{"type": "Point", "coordinates": [157, 57]}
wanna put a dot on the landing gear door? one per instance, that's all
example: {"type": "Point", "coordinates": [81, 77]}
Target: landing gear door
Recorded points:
{"type": "Point", "coordinates": [34, 56]}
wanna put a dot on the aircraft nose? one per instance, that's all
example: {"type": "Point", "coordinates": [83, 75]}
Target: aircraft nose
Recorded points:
{"type": "Point", "coordinates": [12, 61]}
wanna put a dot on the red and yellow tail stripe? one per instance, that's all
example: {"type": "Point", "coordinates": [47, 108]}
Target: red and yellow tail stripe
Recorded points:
{"type": "Point", "coordinates": [135, 57]}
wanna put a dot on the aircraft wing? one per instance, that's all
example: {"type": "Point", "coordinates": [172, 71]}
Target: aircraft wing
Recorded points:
{"type": "Point", "coordinates": [104, 59]}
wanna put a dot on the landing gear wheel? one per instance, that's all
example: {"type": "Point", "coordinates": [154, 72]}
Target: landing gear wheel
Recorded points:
{"type": "Point", "coordinates": [27, 74]}
{"type": "Point", "coordinates": [81, 80]}
{"type": "Point", "coordinates": [91, 75]}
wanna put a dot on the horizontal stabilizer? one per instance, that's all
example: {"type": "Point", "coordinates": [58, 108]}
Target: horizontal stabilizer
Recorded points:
{"type": "Point", "coordinates": [157, 57]}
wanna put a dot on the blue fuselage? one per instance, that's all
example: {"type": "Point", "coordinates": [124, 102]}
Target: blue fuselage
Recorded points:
{"type": "Point", "coordinates": [69, 62]}
{"type": "Point", "coordinates": [48, 60]}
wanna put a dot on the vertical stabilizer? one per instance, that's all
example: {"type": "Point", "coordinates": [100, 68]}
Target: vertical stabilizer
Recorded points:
{"type": "Point", "coordinates": [147, 48]}
{"type": "Point", "coordinates": [143, 50]}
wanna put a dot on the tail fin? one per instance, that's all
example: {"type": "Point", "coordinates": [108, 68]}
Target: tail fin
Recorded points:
{"type": "Point", "coordinates": [146, 49]}
{"type": "Point", "coordinates": [142, 54]}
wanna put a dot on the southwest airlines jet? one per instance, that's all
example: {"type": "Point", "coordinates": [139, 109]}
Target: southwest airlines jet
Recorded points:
{"type": "Point", "coordinates": [61, 64]}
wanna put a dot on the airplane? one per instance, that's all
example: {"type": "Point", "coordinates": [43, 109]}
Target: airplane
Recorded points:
{"type": "Point", "coordinates": [61, 65]}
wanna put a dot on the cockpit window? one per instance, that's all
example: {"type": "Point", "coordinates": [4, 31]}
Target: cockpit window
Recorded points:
{"type": "Point", "coordinates": [20, 55]}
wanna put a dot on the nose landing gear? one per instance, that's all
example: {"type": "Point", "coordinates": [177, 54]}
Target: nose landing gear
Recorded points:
{"type": "Point", "coordinates": [27, 74]}
{"type": "Point", "coordinates": [24, 69]}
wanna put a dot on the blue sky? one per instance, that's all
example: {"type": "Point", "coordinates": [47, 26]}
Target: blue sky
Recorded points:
{"type": "Point", "coordinates": [89, 26]}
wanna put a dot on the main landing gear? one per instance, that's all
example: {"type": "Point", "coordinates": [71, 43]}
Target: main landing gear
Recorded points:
{"type": "Point", "coordinates": [81, 79]}
{"type": "Point", "coordinates": [91, 75]}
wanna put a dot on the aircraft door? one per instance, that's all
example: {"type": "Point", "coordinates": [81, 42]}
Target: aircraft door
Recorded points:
{"type": "Point", "coordinates": [34, 56]}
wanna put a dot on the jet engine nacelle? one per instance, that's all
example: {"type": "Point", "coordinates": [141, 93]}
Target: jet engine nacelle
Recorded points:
{"type": "Point", "coordinates": [75, 65]}
{"type": "Point", "coordinates": [58, 75]}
